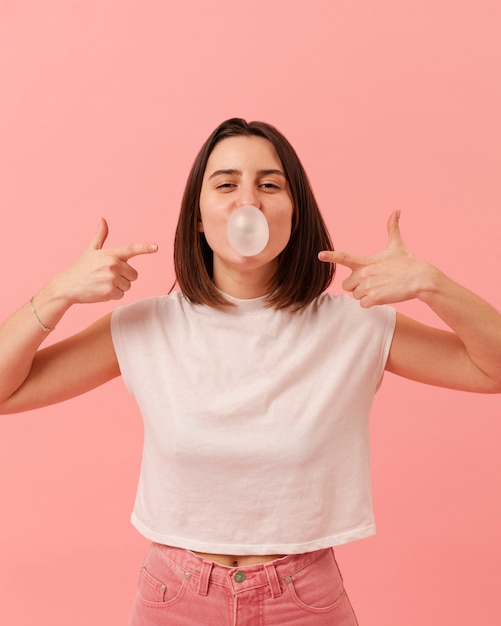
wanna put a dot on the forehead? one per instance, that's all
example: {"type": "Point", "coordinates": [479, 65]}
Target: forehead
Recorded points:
{"type": "Point", "coordinates": [241, 152]}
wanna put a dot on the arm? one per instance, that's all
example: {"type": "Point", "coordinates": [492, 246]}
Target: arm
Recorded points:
{"type": "Point", "coordinates": [66, 369]}
{"type": "Point", "coordinates": [468, 357]}
{"type": "Point", "coordinates": [31, 377]}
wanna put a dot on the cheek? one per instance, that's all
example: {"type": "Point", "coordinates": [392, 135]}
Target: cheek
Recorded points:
{"type": "Point", "coordinates": [280, 231]}
{"type": "Point", "coordinates": [214, 230]}
{"type": "Point", "coordinates": [280, 221]}
{"type": "Point", "coordinates": [210, 219]}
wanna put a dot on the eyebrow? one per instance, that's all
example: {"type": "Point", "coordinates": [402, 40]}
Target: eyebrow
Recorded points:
{"type": "Point", "coordinates": [239, 173]}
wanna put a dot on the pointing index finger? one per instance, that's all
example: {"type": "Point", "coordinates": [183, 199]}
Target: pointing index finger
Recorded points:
{"type": "Point", "coordinates": [134, 249]}
{"type": "Point", "coordinates": [343, 258]}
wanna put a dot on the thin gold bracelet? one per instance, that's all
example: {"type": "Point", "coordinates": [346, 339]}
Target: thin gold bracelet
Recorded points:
{"type": "Point", "coordinates": [45, 328]}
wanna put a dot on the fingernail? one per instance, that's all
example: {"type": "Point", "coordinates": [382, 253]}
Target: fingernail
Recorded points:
{"type": "Point", "coordinates": [153, 247]}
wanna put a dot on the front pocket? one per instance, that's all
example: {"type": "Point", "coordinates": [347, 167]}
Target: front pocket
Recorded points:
{"type": "Point", "coordinates": [318, 588]}
{"type": "Point", "coordinates": [307, 606]}
{"type": "Point", "coordinates": [154, 592]}
{"type": "Point", "coordinates": [150, 589]}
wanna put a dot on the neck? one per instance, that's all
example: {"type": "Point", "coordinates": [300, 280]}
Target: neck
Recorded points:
{"type": "Point", "coordinates": [244, 284]}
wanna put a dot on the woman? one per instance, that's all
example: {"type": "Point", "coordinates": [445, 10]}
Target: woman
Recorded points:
{"type": "Point", "coordinates": [254, 385]}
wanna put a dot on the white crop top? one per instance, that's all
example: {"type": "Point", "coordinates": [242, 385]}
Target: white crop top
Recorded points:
{"type": "Point", "coordinates": [255, 421]}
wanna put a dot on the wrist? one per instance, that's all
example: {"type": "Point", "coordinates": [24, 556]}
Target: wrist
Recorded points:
{"type": "Point", "coordinates": [57, 292]}
{"type": "Point", "coordinates": [48, 306]}
{"type": "Point", "coordinates": [431, 283]}
{"type": "Point", "coordinates": [46, 329]}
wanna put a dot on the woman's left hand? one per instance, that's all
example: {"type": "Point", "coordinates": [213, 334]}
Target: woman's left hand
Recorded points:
{"type": "Point", "coordinates": [392, 275]}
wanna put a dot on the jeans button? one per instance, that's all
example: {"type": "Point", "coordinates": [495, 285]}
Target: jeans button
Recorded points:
{"type": "Point", "coordinates": [239, 577]}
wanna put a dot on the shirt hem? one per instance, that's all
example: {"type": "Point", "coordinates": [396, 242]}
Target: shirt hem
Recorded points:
{"type": "Point", "coordinates": [254, 549]}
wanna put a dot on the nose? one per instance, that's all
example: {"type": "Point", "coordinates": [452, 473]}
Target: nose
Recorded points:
{"type": "Point", "coordinates": [248, 195]}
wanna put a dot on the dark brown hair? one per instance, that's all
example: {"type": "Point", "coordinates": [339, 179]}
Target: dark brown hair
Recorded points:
{"type": "Point", "coordinates": [300, 276]}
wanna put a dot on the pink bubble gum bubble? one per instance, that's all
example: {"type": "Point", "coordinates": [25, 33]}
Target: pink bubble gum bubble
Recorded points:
{"type": "Point", "coordinates": [248, 231]}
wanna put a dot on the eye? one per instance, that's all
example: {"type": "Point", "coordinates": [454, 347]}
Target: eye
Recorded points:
{"type": "Point", "coordinates": [269, 186]}
{"type": "Point", "coordinates": [225, 186]}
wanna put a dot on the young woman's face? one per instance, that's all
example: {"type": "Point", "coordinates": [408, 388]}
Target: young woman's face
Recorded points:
{"type": "Point", "coordinates": [240, 171]}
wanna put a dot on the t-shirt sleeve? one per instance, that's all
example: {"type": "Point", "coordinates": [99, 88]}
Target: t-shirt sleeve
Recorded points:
{"type": "Point", "coordinates": [388, 315]}
{"type": "Point", "coordinates": [129, 326]}
{"type": "Point", "coordinates": [367, 332]}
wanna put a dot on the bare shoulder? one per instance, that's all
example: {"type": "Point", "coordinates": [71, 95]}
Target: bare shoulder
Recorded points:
{"type": "Point", "coordinates": [68, 368]}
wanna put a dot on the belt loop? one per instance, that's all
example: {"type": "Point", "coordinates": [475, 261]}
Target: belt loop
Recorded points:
{"type": "Point", "coordinates": [203, 584]}
{"type": "Point", "coordinates": [271, 575]}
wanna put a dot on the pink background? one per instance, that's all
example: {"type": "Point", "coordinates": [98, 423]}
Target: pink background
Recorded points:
{"type": "Point", "coordinates": [390, 104]}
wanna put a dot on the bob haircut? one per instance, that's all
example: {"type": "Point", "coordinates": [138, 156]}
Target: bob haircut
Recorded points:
{"type": "Point", "coordinates": [300, 276]}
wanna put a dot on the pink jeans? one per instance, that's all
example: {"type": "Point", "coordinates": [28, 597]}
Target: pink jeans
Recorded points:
{"type": "Point", "coordinates": [178, 588]}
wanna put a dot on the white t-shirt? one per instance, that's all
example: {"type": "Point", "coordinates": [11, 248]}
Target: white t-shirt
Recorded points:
{"type": "Point", "coordinates": [255, 420]}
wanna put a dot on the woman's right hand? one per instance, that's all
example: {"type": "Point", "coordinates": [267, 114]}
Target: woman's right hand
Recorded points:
{"type": "Point", "coordinates": [100, 274]}
{"type": "Point", "coordinates": [29, 377]}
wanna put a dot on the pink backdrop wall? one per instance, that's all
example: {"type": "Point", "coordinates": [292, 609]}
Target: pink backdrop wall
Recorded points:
{"type": "Point", "coordinates": [390, 104]}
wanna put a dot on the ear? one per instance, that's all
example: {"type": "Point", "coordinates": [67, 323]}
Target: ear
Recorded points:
{"type": "Point", "coordinates": [200, 226]}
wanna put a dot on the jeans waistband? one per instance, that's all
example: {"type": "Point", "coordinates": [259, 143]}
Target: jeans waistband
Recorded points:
{"type": "Point", "coordinates": [238, 579]}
